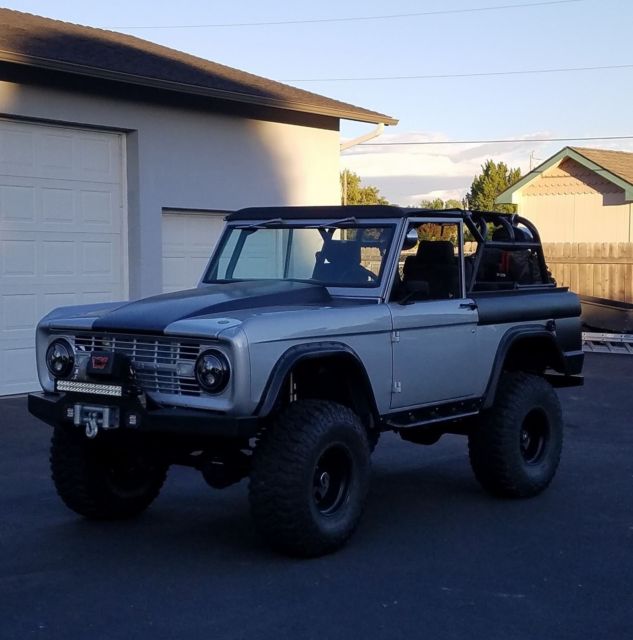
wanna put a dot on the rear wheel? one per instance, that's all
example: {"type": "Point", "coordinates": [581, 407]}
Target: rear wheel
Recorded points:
{"type": "Point", "coordinates": [106, 478]}
{"type": "Point", "coordinates": [310, 478]}
{"type": "Point", "coordinates": [515, 449]}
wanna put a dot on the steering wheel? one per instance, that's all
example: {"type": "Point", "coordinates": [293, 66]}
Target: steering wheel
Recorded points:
{"type": "Point", "coordinates": [353, 275]}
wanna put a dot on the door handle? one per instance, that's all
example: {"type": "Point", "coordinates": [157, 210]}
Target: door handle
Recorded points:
{"type": "Point", "coordinates": [468, 305]}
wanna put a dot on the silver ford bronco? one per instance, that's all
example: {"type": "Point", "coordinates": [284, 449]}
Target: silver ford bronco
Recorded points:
{"type": "Point", "coordinates": [313, 330]}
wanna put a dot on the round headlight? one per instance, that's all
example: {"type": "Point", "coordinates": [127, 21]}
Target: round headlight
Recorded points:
{"type": "Point", "coordinates": [60, 358]}
{"type": "Point", "coordinates": [212, 371]}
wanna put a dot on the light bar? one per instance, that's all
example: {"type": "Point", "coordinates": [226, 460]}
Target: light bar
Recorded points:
{"type": "Point", "coordinates": [88, 387]}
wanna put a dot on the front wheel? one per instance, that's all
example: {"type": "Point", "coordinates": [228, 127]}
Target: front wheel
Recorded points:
{"type": "Point", "coordinates": [105, 478]}
{"type": "Point", "coordinates": [310, 478]}
{"type": "Point", "coordinates": [516, 446]}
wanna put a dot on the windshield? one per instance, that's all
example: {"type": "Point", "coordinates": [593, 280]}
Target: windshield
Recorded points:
{"type": "Point", "coordinates": [342, 256]}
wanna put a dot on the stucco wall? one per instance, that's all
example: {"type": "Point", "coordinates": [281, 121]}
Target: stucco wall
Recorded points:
{"type": "Point", "coordinates": [191, 159]}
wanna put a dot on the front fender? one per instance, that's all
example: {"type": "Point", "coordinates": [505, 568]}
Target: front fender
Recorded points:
{"type": "Point", "coordinates": [300, 353]}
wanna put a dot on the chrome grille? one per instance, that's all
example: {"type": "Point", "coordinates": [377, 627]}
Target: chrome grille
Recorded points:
{"type": "Point", "coordinates": [161, 365]}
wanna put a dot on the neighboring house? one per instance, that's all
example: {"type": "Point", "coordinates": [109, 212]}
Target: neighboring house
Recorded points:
{"type": "Point", "coordinates": [118, 158]}
{"type": "Point", "coordinates": [578, 195]}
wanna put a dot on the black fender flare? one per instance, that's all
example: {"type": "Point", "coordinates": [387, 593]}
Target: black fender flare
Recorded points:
{"type": "Point", "coordinates": [508, 340]}
{"type": "Point", "coordinates": [300, 353]}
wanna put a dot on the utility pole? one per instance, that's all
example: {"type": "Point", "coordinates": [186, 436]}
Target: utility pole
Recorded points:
{"type": "Point", "coordinates": [532, 158]}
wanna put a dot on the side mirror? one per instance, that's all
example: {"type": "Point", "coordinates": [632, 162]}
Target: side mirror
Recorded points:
{"type": "Point", "coordinates": [411, 239]}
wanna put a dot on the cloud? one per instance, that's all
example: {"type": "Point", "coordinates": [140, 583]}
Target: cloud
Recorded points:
{"type": "Point", "coordinates": [413, 189]}
{"type": "Point", "coordinates": [407, 174]}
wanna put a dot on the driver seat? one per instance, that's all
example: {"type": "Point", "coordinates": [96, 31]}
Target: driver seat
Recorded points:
{"type": "Point", "coordinates": [435, 265]}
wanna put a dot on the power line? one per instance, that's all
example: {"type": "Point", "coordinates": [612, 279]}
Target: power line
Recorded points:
{"type": "Point", "coordinates": [477, 74]}
{"type": "Point", "coordinates": [392, 16]}
{"type": "Point", "coordinates": [500, 141]}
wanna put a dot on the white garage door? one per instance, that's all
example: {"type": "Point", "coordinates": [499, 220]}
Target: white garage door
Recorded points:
{"type": "Point", "coordinates": [188, 239]}
{"type": "Point", "coordinates": [62, 232]}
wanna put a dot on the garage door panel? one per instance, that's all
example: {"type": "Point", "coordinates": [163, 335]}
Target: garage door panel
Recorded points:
{"type": "Point", "coordinates": [97, 155]}
{"type": "Point", "coordinates": [57, 258]}
{"type": "Point", "coordinates": [18, 204]}
{"type": "Point", "coordinates": [199, 264]}
{"type": "Point", "coordinates": [44, 205]}
{"type": "Point", "coordinates": [17, 369]}
{"type": "Point", "coordinates": [19, 258]}
{"type": "Point", "coordinates": [59, 153]}
{"type": "Point", "coordinates": [55, 153]}
{"type": "Point", "coordinates": [31, 262]}
{"type": "Point", "coordinates": [17, 150]}
{"type": "Point", "coordinates": [59, 206]}
{"type": "Point", "coordinates": [98, 260]}
{"type": "Point", "coordinates": [19, 312]}
{"type": "Point", "coordinates": [49, 301]}
{"type": "Point", "coordinates": [61, 233]}
{"type": "Point", "coordinates": [188, 240]}
{"type": "Point", "coordinates": [97, 208]}
{"type": "Point", "coordinates": [98, 297]}
{"type": "Point", "coordinates": [174, 273]}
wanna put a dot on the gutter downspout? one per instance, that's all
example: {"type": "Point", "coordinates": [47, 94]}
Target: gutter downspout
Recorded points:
{"type": "Point", "coordinates": [364, 138]}
{"type": "Point", "coordinates": [352, 143]}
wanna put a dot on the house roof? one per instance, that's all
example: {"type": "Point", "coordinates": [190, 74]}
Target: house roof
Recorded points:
{"type": "Point", "coordinates": [615, 166]}
{"type": "Point", "coordinates": [619, 163]}
{"type": "Point", "coordinates": [43, 43]}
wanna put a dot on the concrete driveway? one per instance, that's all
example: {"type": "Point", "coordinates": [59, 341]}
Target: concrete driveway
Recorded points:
{"type": "Point", "coordinates": [434, 557]}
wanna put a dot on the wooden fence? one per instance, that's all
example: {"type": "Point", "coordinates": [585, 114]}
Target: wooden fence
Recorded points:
{"type": "Point", "coordinates": [600, 269]}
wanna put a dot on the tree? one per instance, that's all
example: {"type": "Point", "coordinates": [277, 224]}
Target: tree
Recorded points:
{"type": "Point", "coordinates": [353, 193]}
{"type": "Point", "coordinates": [451, 203]}
{"type": "Point", "coordinates": [438, 203]}
{"type": "Point", "coordinates": [494, 178]}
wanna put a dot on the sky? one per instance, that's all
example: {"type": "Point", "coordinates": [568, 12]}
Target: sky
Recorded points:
{"type": "Point", "coordinates": [330, 46]}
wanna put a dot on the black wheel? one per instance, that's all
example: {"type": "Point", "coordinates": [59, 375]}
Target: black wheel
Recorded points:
{"type": "Point", "coordinates": [104, 479]}
{"type": "Point", "coordinates": [310, 478]}
{"type": "Point", "coordinates": [515, 448]}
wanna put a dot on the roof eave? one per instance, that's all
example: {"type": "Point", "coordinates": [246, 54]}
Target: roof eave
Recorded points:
{"type": "Point", "coordinates": [512, 194]}
{"type": "Point", "coordinates": [177, 87]}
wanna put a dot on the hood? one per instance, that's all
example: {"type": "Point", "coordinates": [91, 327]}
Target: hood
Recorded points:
{"type": "Point", "coordinates": [153, 315]}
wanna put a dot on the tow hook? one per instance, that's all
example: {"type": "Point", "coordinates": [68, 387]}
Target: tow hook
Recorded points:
{"type": "Point", "coordinates": [94, 418]}
{"type": "Point", "coordinates": [92, 426]}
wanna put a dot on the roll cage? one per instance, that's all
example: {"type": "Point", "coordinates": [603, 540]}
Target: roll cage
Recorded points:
{"type": "Point", "coordinates": [497, 235]}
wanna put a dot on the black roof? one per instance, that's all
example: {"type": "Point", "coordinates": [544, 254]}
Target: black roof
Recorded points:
{"type": "Point", "coordinates": [365, 212]}
{"type": "Point", "coordinates": [29, 41]}
{"type": "Point", "coordinates": [477, 221]}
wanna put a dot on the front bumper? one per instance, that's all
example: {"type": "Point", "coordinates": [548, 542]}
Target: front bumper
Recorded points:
{"type": "Point", "coordinates": [53, 409]}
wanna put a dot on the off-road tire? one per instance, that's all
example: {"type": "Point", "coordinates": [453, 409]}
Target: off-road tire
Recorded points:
{"type": "Point", "coordinates": [100, 480]}
{"type": "Point", "coordinates": [289, 502]}
{"type": "Point", "coordinates": [373, 438]}
{"type": "Point", "coordinates": [515, 447]}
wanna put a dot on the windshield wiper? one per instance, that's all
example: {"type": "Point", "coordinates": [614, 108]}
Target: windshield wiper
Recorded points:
{"type": "Point", "coordinates": [262, 225]}
{"type": "Point", "coordinates": [335, 223]}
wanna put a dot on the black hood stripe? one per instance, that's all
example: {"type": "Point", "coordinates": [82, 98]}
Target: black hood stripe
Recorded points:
{"type": "Point", "coordinates": [153, 315]}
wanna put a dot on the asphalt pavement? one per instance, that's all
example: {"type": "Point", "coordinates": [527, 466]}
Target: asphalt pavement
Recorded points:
{"type": "Point", "coordinates": [434, 557]}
